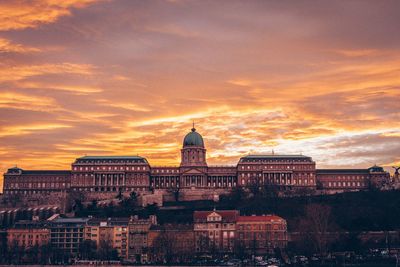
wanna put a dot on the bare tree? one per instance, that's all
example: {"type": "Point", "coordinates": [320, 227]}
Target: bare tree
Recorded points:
{"type": "Point", "coordinates": [316, 226]}
{"type": "Point", "coordinates": [203, 243]}
{"type": "Point", "coordinates": [87, 250]}
{"type": "Point", "coordinates": [164, 247]}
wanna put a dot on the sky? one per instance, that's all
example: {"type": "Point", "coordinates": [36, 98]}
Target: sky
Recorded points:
{"type": "Point", "coordinates": [125, 77]}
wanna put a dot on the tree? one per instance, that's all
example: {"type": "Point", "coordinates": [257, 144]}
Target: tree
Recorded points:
{"type": "Point", "coordinates": [3, 248]}
{"type": "Point", "coordinates": [32, 255]}
{"type": "Point", "coordinates": [348, 242]}
{"type": "Point", "coordinates": [254, 187]}
{"type": "Point", "coordinates": [234, 198]}
{"type": "Point", "coordinates": [120, 196]}
{"type": "Point", "coordinates": [45, 253]}
{"type": "Point", "coordinates": [16, 253]}
{"type": "Point", "coordinates": [164, 247]}
{"type": "Point", "coordinates": [253, 247]}
{"type": "Point", "coordinates": [129, 203]}
{"type": "Point", "coordinates": [316, 226]}
{"type": "Point", "coordinates": [106, 251]}
{"type": "Point", "coordinates": [109, 210]}
{"type": "Point", "coordinates": [175, 192]}
{"type": "Point", "coordinates": [74, 200]}
{"type": "Point", "coordinates": [203, 243]}
{"type": "Point", "coordinates": [92, 207]}
{"type": "Point", "coordinates": [319, 185]}
{"type": "Point", "coordinates": [271, 193]}
{"type": "Point", "coordinates": [151, 209]}
{"type": "Point", "coordinates": [78, 206]}
{"type": "Point", "coordinates": [240, 249]}
{"type": "Point", "coordinates": [133, 197]}
{"type": "Point", "coordinates": [87, 250]}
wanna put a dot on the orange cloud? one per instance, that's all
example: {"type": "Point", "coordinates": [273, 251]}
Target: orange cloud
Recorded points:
{"type": "Point", "coordinates": [75, 89]}
{"type": "Point", "coordinates": [6, 46]}
{"type": "Point", "coordinates": [22, 14]}
{"type": "Point", "coordinates": [27, 102]}
{"type": "Point", "coordinates": [20, 72]}
{"type": "Point", "coordinates": [358, 53]}
{"type": "Point", "coordinates": [26, 129]}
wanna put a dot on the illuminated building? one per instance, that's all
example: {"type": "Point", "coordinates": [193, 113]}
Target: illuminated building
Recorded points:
{"type": "Point", "coordinates": [101, 177]}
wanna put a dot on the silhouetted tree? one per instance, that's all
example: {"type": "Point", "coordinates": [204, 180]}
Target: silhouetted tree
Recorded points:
{"type": "Point", "coordinates": [164, 247]}
{"type": "Point", "coordinates": [106, 251]}
{"type": "Point", "coordinates": [119, 195]}
{"type": "Point", "coordinates": [74, 201]}
{"type": "Point", "coordinates": [150, 209]}
{"type": "Point", "coordinates": [240, 249]}
{"type": "Point", "coordinates": [87, 250]}
{"type": "Point", "coordinates": [316, 225]}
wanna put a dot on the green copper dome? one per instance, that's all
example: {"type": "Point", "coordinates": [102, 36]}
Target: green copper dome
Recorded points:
{"type": "Point", "coordinates": [193, 139]}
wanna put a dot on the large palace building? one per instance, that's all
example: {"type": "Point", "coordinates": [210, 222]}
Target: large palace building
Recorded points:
{"type": "Point", "coordinates": [98, 176]}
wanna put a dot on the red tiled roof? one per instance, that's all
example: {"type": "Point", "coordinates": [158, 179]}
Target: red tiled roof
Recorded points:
{"type": "Point", "coordinates": [227, 215]}
{"type": "Point", "coordinates": [264, 218]}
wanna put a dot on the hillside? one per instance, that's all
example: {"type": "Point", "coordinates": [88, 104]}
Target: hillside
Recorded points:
{"type": "Point", "coordinates": [355, 211]}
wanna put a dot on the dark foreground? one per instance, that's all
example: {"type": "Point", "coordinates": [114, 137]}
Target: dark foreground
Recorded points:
{"type": "Point", "coordinates": [323, 265]}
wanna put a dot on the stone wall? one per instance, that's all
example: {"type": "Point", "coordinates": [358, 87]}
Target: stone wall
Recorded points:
{"type": "Point", "coordinates": [148, 199]}
{"type": "Point", "coordinates": [66, 199]}
{"type": "Point", "coordinates": [202, 194]}
{"type": "Point", "coordinates": [56, 198]}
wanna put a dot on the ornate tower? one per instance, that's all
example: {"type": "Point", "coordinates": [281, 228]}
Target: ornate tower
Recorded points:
{"type": "Point", "coordinates": [193, 153]}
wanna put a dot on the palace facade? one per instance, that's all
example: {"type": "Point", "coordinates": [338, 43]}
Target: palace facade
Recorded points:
{"type": "Point", "coordinates": [101, 175]}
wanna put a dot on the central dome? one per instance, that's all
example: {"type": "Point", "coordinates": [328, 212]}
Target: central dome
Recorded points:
{"type": "Point", "coordinates": [193, 139]}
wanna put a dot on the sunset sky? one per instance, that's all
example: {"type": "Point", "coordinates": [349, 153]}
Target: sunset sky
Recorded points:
{"type": "Point", "coordinates": [124, 77]}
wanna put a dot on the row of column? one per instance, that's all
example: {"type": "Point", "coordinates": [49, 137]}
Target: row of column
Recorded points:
{"type": "Point", "coordinates": [166, 181]}
{"type": "Point", "coordinates": [109, 179]}
{"type": "Point", "coordinates": [277, 178]}
{"type": "Point", "coordinates": [194, 180]}
{"type": "Point", "coordinates": [221, 181]}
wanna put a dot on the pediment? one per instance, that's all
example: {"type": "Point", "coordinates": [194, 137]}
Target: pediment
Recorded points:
{"type": "Point", "coordinates": [193, 171]}
{"type": "Point", "coordinates": [214, 217]}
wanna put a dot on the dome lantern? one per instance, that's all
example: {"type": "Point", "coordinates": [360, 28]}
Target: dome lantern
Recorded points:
{"type": "Point", "coordinates": [193, 139]}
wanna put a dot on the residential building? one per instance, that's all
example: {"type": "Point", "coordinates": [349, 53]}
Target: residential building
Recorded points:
{"type": "Point", "coordinates": [259, 235]}
{"type": "Point", "coordinates": [215, 231]}
{"type": "Point", "coordinates": [28, 234]}
{"type": "Point", "coordinates": [111, 232]}
{"type": "Point", "coordinates": [67, 234]}
{"type": "Point", "coordinates": [171, 242]}
{"type": "Point", "coordinates": [138, 234]}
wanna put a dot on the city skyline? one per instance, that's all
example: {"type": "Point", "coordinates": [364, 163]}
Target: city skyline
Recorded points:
{"type": "Point", "coordinates": [129, 77]}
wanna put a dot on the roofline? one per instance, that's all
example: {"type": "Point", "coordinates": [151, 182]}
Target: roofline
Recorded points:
{"type": "Point", "coordinates": [23, 171]}
{"type": "Point", "coordinates": [275, 156]}
{"type": "Point", "coordinates": [111, 157]}
{"type": "Point", "coordinates": [342, 170]}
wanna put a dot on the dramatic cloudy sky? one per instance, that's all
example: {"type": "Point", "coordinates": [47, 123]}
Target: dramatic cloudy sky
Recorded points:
{"type": "Point", "coordinates": [321, 78]}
